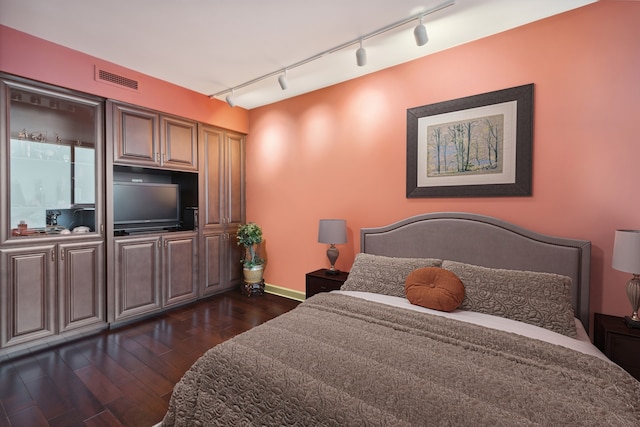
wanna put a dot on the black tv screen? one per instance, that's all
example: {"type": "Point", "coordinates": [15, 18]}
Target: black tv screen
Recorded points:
{"type": "Point", "coordinates": [145, 204]}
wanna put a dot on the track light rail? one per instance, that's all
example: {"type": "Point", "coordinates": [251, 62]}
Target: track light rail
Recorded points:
{"type": "Point", "coordinates": [339, 47]}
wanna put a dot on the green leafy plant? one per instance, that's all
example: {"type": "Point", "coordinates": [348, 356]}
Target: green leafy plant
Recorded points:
{"type": "Point", "coordinates": [250, 236]}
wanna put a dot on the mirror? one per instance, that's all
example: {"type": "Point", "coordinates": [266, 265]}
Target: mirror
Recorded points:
{"type": "Point", "coordinates": [52, 162]}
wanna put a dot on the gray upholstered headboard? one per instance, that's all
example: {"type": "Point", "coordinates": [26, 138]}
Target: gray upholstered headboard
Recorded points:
{"type": "Point", "coordinates": [489, 242]}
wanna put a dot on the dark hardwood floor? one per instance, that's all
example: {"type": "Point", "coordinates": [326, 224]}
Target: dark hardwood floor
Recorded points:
{"type": "Point", "coordinates": [124, 376]}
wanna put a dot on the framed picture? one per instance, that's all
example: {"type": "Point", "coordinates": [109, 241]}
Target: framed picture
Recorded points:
{"type": "Point", "coordinates": [475, 146]}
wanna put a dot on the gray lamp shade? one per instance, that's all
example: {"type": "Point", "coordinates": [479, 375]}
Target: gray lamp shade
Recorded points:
{"type": "Point", "coordinates": [626, 251]}
{"type": "Point", "coordinates": [332, 231]}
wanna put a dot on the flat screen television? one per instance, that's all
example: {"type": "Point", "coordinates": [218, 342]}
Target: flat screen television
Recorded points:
{"type": "Point", "coordinates": [145, 206]}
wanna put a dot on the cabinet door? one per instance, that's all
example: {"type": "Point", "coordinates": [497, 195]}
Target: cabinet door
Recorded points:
{"type": "Point", "coordinates": [212, 176]}
{"type": "Point", "coordinates": [222, 172]}
{"type": "Point", "coordinates": [221, 265]}
{"type": "Point", "coordinates": [137, 285]}
{"type": "Point", "coordinates": [135, 134]}
{"type": "Point", "coordinates": [51, 160]}
{"type": "Point", "coordinates": [234, 179]}
{"type": "Point", "coordinates": [27, 287]}
{"type": "Point", "coordinates": [212, 263]}
{"type": "Point", "coordinates": [180, 269]}
{"type": "Point", "coordinates": [179, 143]}
{"type": "Point", "coordinates": [235, 253]}
{"type": "Point", "coordinates": [80, 284]}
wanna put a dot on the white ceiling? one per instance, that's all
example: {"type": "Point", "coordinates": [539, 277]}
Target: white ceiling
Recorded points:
{"type": "Point", "coordinates": [213, 45]}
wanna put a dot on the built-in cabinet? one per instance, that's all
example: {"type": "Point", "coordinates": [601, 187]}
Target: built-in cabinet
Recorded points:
{"type": "Point", "coordinates": [28, 294]}
{"type": "Point", "coordinates": [220, 261]}
{"type": "Point", "coordinates": [222, 208]}
{"type": "Point", "coordinates": [65, 269]}
{"type": "Point", "coordinates": [148, 138]}
{"type": "Point", "coordinates": [52, 257]}
{"type": "Point", "coordinates": [154, 272]}
{"type": "Point", "coordinates": [79, 264]}
{"type": "Point", "coordinates": [51, 289]}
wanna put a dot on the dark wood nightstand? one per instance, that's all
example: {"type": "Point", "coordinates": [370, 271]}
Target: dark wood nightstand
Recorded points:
{"type": "Point", "coordinates": [618, 342]}
{"type": "Point", "coordinates": [320, 281]}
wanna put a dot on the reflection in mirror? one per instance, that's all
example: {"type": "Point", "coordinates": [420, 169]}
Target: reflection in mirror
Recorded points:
{"type": "Point", "coordinates": [52, 161]}
{"type": "Point", "coordinates": [49, 176]}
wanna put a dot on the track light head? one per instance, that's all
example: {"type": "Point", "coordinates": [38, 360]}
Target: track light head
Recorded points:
{"type": "Point", "coordinates": [361, 56]}
{"type": "Point", "coordinates": [282, 80]}
{"type": "Point", "coordinates": [230, 100]}
{"type": "Point", "coordinates": [420, 33]}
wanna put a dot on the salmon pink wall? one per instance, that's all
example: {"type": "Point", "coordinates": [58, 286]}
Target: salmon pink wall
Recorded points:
{"type": "Point", "coordinates": [340, 152]}
{"type": "Point", "coordinates": [28, 56]}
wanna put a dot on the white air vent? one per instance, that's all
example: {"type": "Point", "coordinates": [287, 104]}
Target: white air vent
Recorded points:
{"type": "Point", "coordinates": [114, 79]}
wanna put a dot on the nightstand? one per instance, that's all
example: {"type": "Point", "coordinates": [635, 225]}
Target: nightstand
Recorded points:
{"type": "Point", "coordinates": [319, 281]}
{"type": "Point", "coordinates": [618, 342]}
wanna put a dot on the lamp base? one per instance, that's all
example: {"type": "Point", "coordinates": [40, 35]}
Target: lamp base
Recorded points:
{"type": "Point", "coordinates": [332, 272]}
{"type": "Point", "coordinates": [635, 324]}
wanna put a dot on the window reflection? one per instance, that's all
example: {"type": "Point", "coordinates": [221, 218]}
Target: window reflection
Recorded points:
{"type": "Point", "coordinates": [46, 176]}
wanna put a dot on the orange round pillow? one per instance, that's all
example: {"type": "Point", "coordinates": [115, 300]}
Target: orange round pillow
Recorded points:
{"type": "Point", "coordinates": [435, 288]}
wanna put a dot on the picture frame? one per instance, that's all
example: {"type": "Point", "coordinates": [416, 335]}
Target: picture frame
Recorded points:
{"type": "Point", "coordinates": [476, 146]}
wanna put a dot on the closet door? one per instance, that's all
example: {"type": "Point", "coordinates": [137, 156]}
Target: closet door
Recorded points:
{"type": "Point", "coordinates": [212, 177]}
{"type": "Point", "coordinates": [234, 182]}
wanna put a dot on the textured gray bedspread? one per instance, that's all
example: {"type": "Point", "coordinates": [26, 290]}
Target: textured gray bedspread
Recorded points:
{"type": "Point", "coordinates": [340, 361]}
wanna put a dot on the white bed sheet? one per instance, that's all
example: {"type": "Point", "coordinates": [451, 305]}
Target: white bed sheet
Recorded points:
{"type": "Point", "coordinates": [582, 343]}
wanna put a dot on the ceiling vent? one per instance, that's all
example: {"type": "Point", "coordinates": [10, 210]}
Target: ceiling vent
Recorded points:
{"type": "Point", "coordinates": [114, 79]}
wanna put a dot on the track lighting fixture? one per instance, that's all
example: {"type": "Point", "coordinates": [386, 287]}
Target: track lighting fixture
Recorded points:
{"type": "Point", "coordinates": [361, 56]}
{"type": "Point", "coordinates": [282, 79]}
{"type": "Point", "coordinates": [230, 100]}
{"type": "Point", "coordinates": [420, 33]}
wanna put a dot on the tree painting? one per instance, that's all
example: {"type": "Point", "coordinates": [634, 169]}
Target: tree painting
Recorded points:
{"type": "Point", "coordinates": [466, 147]}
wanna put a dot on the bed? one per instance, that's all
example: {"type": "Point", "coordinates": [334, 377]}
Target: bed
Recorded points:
{"type": "Point", "coordinates": [515, 351]}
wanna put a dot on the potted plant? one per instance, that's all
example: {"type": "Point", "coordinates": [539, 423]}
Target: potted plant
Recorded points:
{"type": "Point", "coordinates": [250, 236]}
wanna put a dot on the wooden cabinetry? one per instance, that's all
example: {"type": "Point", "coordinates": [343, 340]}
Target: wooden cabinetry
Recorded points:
{"type": "Point", "coordinates": [222, 177]}
{"type": "Point", "coordinates": [137, 284]}
{"type": "Point", "coordinates": [81, 284]}
{"type": "Point", "coordinates": [148, 138]}
{"type": "Point", "coordinates": [51, 289]}
{"type": "Point", "coordinates": [618, 342]}
{"type": "Point", "coordinates": [28, 294]}
{"type": "Point", "coordinates": [57, 175]}
{"type": "Point", "coordinates": [180, 256]}
{"type": "Point", "coordinates": [319, 281]}
{"type": "Point", "coordinates": [220, 262]}
{"type": "Point", "coordinates": [52, 281]}
{"type": "Point", "coordinates": [222, 207]}
{"type": "Point", "coordinates": [153, 272]}
{"type": "Point", "coordinates": [179, 143]}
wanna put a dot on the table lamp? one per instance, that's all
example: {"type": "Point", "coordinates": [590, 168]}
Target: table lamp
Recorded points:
{"type": "Point", "coordinates": [332, 232]}
{"type": "Point", "coordinates": [626, 257]}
